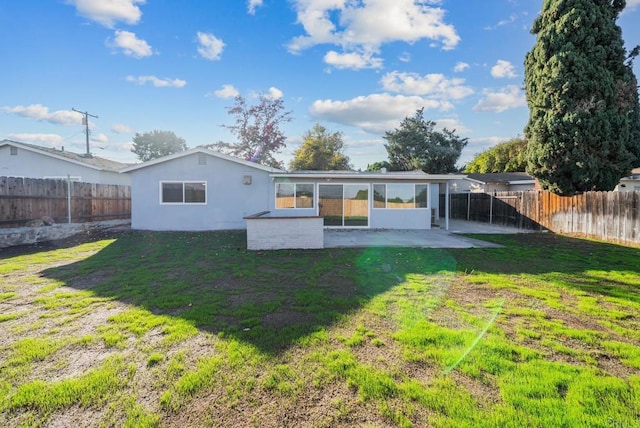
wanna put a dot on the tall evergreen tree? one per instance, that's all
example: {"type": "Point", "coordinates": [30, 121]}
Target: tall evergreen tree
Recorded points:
{"type": "Point", "coordinates": [582, 97]}
{"type": "Point", "coordinates": [416, 145]}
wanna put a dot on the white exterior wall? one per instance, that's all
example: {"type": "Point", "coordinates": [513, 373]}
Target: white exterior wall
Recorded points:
{"type": "Point", "coordinates": [228, 199]}
{"type": "Point", "coordinates": [628, 185]}
{"type": "Point", "coordinates": [29, 164]}
{"type": "Point", "coordinates": [285, 233]}
{"type": "Point", "coordinates": [522, 187]}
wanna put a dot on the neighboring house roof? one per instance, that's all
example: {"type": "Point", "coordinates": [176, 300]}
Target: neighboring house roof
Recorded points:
{"type": "Point", "coordinates": [395, 175]}
{"type": "Point", "coordinates": [502, 178]}
{"type": "Point", "coordinates": [635, 174]}
{"type": "Point", "coordinates": [94, 162]}
{"type": "Point", "coordinates": [200, 150]}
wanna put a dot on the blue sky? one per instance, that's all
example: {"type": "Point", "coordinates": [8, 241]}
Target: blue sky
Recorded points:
{"type": "Point", "coordinates": [355, 66]}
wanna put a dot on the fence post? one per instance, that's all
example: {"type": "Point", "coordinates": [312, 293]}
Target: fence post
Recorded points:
{"type": "Point", "coordinates": [468, 205]}
{"type": "Point", "coordinates": [68, 198]}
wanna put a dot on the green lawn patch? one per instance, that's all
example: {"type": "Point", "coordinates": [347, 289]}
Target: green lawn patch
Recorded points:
{"type": "Point", "coordinates": [177, 329]}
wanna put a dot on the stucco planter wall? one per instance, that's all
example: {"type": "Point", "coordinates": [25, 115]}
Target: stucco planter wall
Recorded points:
{"type": "Point", "coordinates": [279, 233]}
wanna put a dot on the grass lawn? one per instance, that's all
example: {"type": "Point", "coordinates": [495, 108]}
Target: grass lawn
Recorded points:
{"type": "Point", "coordinates": [174, 329]}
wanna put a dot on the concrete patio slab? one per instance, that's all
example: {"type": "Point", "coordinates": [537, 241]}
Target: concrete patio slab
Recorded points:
{"type": "Point", "coordinates": [434, 238]}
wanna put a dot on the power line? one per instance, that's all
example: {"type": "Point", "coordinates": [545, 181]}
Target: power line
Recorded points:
{"type": "Point", "coordinates": [85, 122]}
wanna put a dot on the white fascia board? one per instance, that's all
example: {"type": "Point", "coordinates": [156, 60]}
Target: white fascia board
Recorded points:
{"type": "Point", "coordinates": [387, 176]}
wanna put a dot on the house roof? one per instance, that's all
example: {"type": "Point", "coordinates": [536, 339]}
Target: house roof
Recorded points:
{"type": "Point", "coordinates": [95, 162]}
{"type": "Point", "coordinates": [199, 150]}
{"type": "Point", "coordinates": [395, 175]}
{"type": "Point", "coordinates": [502, 177]}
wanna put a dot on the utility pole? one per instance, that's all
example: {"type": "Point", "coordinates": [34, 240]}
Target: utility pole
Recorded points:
{"type": "Point", "coordinates": [85, 122]}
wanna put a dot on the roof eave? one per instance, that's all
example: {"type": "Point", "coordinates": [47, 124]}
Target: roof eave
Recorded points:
{"type": "Point", "coordinates": [390, 176]}
{"type": "Point", "coordinates": [53, 155]}
{"type": "Point", "coordinates": [202, 151]}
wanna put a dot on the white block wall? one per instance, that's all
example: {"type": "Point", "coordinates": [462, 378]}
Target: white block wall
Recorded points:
{"type": "Point", "coordinates": [279, 233]}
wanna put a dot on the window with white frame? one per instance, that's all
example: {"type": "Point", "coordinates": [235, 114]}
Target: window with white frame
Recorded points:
{"type": "Point", "coordinates": [400, 195]}
{"type": "Point", "coordinates": [183, 192]}
{"type": "Point", "coordinates": [294, 195]}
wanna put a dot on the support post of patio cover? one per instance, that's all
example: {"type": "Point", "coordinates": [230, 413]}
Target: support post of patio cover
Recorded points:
{"type": "Point", "coordinates": [446, 206]}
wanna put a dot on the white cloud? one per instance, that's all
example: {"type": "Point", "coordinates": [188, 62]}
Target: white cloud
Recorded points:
{"type": "Point", "coordinates": [434, 85]}
{"type": "Point", "coordinates": [41, 113]}
{"type": "Point", "coordinates": [209, 46]}
{"type": "Point", "coordinates": [505, 99]}
{"type": "Point", "coordinates": [130, 44]}
{"type": "Point", "coordinates": [359, 26]}
{"type": "Point", "coordinates": [631, 6]}
{"type": "Point", "coordinates": [452, 125]}
{"type": "Point", "coordinates": [274, 93]}
{"type": "Point", "coordinates": [108, 12]}
{"type": "Point", "coordinates": [503, 69]}
{"type": "Point", "coordinates": [252, 5]}
{"type": "Point", "coordinates": [374, 113]}
{"type": "Point", "coordinates": [352, 60]}
{"type": "Point", "coordinates": [37, 138]}
{"type": "Point", "coordinates": [157, 82]}
{"type": "Point", "coordinates": [227, 91]}
{"type": "Point", "coordinates": [404, 57]}
{"type": "Point", "coordinates": [119, 128]}
{"type": "Point", "coordinates": [460, 67]}
{"type": "Point", "coordinates": [512, 18]}
{"type": "Point", "coordinates": [99, 138]}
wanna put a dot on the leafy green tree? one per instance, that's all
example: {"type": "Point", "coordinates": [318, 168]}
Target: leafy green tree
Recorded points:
{"type": "Point", "coordinates": [509, 156]}
{"type": "Point", "coordinates": [582, 97]}
{"type": "Point", "coordinates": [417, 146]}
{"type": "Point", "coordinates": [257, 128]}
{"type": "Point", "coordinates": [377, 166]}
{"type": "Point", "coordinates": [156, 144]}
{"type": "Point", "coordinates": [321, 150]}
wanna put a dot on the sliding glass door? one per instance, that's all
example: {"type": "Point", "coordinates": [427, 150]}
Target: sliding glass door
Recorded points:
{"type": "Point", "coordinates": [344, 205]}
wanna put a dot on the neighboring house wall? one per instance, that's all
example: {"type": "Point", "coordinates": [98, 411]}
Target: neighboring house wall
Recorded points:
{"type": "Point", "coordinates": [228, 199]}
{"type": "Point", "coordinates": [29, 164]}
{"type": "Point", "coordinates": [631, 183]}
{"type": "Point", "coordinates": [521, 187]}
{"type": "Point", "coordinates": [628, 185]}
{"type": "Point", "coordinates": [496, 187]}
{"type": "Point", "coordinates": [484, 185]}
{"type": "Point", "coordinates": [459, 186]}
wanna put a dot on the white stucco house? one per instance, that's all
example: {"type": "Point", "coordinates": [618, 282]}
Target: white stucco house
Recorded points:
{"type": "Point", "coordinates": [494, 182]}
{"type": "Point", "coordinates": [201, 189]}
{"type": "Point", "coordinates": [31, 161]}
{"type": "Point", "coordinates": [630, 183]}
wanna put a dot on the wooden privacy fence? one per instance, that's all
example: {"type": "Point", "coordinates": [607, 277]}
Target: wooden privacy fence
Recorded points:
{"type": "Point", "coordinates": [25, 199]}
{"type": "Point", "coordinates": [610, 216]}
